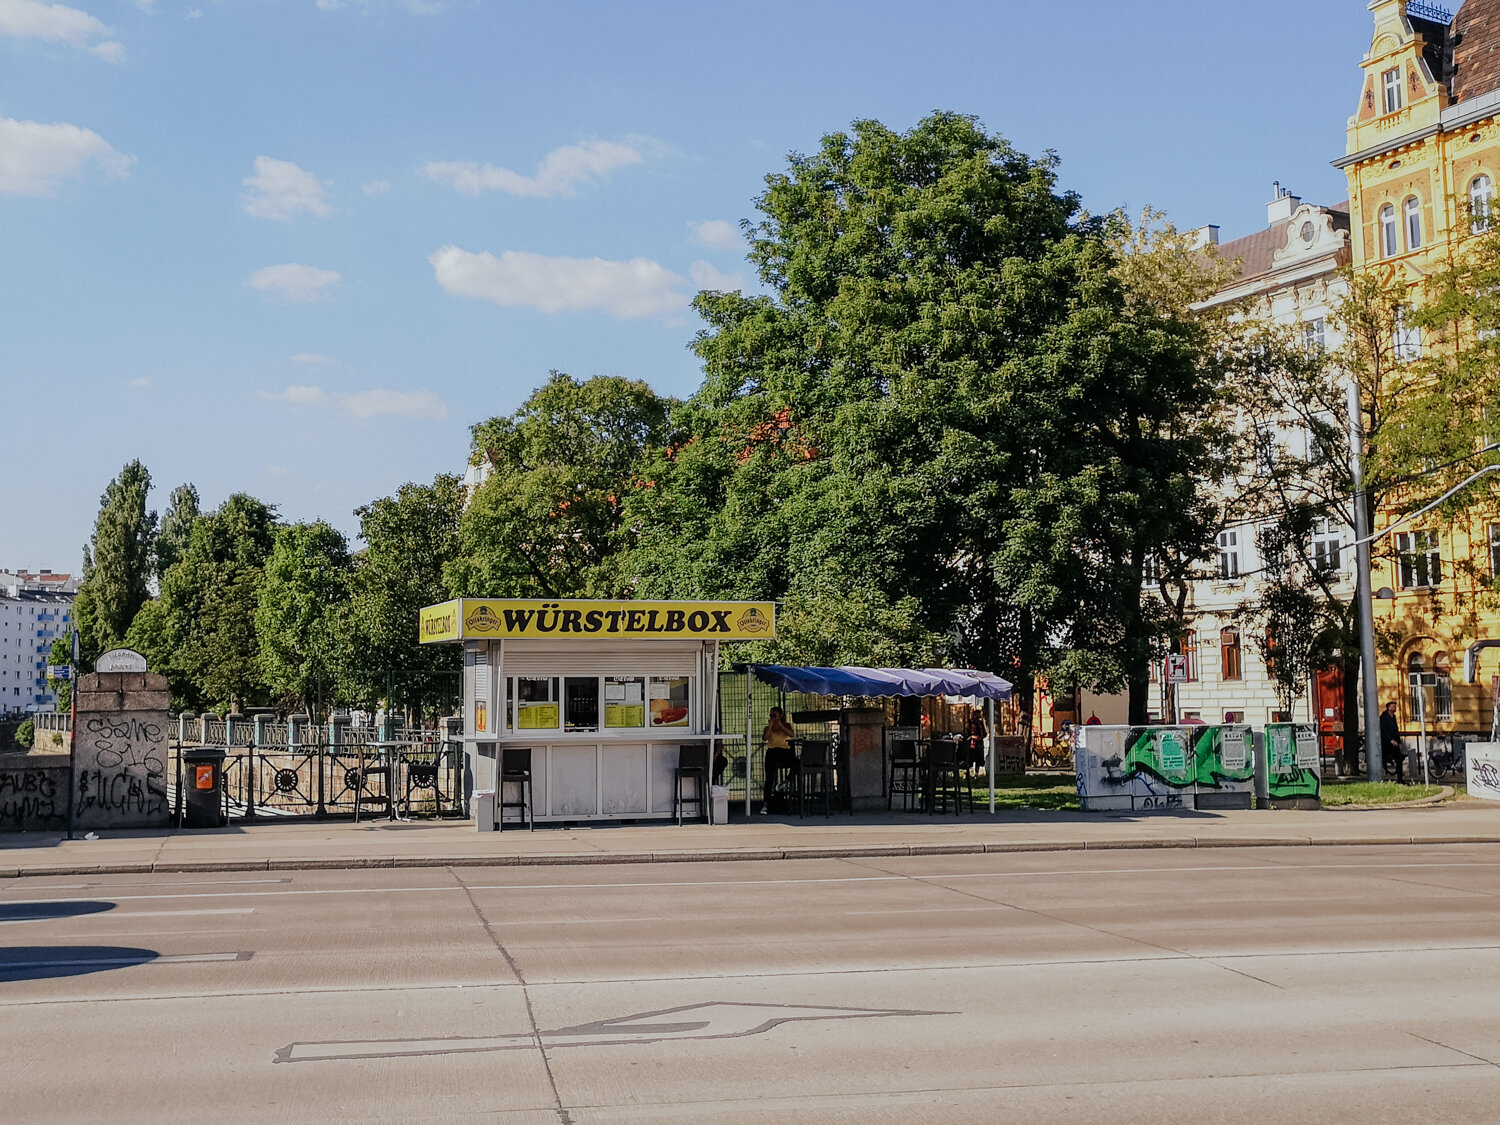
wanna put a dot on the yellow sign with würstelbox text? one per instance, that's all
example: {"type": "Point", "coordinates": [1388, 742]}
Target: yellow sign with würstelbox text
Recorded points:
{"type": "Point", "coordinates": [499, 619]}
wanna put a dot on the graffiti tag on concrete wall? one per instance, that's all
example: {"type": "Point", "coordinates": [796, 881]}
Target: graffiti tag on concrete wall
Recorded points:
{"type": "Point", "coordinates": [31, 799]}
{"type": "Point", "coordinates": [122, 771]}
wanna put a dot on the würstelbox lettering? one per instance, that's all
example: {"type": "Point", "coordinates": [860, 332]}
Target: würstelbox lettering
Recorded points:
{"type": "Point", "coordinates": [555, 619]}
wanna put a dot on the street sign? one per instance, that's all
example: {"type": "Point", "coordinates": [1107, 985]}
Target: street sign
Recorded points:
{"type": "Point", "coordinates": [1177, 668]}
{"type": "Point", "coordinates": [120, 660]}
{"type": "Point", "coordinates": [59, 672]}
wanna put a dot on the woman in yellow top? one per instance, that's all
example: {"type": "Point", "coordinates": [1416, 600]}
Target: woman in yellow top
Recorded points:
{"type": "Point", "coordinates": [778, 737]}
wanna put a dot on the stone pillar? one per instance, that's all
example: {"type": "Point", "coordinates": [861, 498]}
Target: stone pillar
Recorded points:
{"type": "Point", "coordinates": [863, 730]}
{"type": "Point", "coordinates": [120, 754]}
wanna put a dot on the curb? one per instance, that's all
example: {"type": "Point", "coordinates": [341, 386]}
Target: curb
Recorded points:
{"type": "Point", "coordinates": [354, 863]}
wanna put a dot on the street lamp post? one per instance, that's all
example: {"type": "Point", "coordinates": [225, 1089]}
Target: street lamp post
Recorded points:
{"type": "Point", "coordinates": [1375, 768]}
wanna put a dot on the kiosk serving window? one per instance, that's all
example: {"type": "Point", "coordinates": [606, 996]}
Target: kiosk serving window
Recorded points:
{"type": "Point", "coordinates": [581, 699]}
{"type": "Point", "coordinates": [535, 702]}
{"type": "Point", "coordinates": [624, 702]}
{"type": "Point", "coordinates": [577, 703]}
{"type": "Point", "coordinates": [669, 700]}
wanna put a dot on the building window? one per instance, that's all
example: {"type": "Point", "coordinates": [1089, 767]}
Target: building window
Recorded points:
{"type": "Point", "coordinates": [1229, 556]}
{"type": "Point", "coordinates": [1442, 693]}
{"type": "Point", "coordinates": [1391, 80]}
{"type": "Point", "coordinates": [1315, 335]}
{"type": "Point", "coordinates": [1322, 438]}
{"type": "Point", "coordinates": [1388, 244]}
{"type": "Point", "coordinates": [1406, 340]}
{"type": "Point", "coordinates": [1495, 550]}
{"type": "Point", "coordinates": [1416, 668]}
{"type": "Point", "coordinates": [1481, 195]}
{"type": "Point", "coordinates": [1412, 210]}
{"type": "Point", "coordinates": [1418, 561]}
{"type": "Point", "coordinates": [1151, 571]}
{"type": "Point", "coordinates": [1327, 546]}
{"type": "Point", "coordinates": [1231, 664]}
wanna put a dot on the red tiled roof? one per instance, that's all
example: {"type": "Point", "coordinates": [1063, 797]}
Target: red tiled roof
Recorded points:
{"type": "Point", "coordinates": [1476, 52]}
{"type": "Point", "coordinates": [1256, 250]}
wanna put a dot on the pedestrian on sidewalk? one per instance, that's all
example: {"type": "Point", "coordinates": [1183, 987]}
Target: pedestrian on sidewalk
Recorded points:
{"type": "Point", "coordinates": [1390, 740]}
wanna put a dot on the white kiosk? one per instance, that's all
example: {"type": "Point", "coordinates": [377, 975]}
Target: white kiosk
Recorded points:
{"type": "Point", "coordinates": [603, 694]}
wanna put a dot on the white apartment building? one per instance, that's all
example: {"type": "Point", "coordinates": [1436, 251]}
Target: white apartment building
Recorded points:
{"type": "Point", "coordinates": [35, 609]}
{"type": "Point", "coordinates": [1288, 275]}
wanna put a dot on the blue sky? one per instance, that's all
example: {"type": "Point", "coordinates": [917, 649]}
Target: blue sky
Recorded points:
{"type": "Point", "coordinates": [297, 247]}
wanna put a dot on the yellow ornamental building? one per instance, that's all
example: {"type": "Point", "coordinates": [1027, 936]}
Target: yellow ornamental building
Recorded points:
{"type": "Point", "coordinates": [1423, 159]}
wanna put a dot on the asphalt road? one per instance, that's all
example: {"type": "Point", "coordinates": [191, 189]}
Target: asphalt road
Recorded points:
{"type": "Point", "coordinates": [1297, 984]}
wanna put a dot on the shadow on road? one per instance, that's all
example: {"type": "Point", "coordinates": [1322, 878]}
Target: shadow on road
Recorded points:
{"type": "Point", "coordinates": [47, 911]}
{"type": "Point", "coordinates": [42, 962]}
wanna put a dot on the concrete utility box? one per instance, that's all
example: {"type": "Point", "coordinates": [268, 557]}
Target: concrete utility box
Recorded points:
{"type": "Point", "coordinates": [1224, 767]}
{"type": "Point", "coordinates": [1289, 774]}
{"type": "Point", "coordinates": [120, 751]}
{"type": "Point", "coordinates": [1482, 763]}
{"type": "Point", "coordinates": [1134, 769]}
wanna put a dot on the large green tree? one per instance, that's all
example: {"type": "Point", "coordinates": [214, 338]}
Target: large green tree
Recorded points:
{"type": "Point", "coordinates": [549, 520]}
{"type": "Point", "coordinates": [118, 562]}
{"type": "Point", "coordinates": [303, 590]}
{"type": "Point", "coordinates": [176, 527]}
{"type": "Point", "coordinates": [947, 422]}
{"type": "Point", "coordinates": [409, 539]}
{"type": "Point", "coordinates": [208, 603]}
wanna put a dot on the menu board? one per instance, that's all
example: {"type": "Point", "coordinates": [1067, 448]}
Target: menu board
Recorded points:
{"type": "Point", "coordinates": [624, 714]}
{"type": "Point", "coordinates": [538, 716]}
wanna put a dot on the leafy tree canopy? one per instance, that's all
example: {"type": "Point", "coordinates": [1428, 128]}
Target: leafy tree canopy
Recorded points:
{"type": "Point", "coordinates": [304, 588]}
{"type": "Point", "coordinates": [118, 563]}
{"type": "Point", "coordinates": [549, 519]}
{"type": "Point", "coordinates": [947, 419]}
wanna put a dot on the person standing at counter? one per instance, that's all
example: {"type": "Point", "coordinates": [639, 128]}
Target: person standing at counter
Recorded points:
{"type": "Point", "coordinates": [778, 737]}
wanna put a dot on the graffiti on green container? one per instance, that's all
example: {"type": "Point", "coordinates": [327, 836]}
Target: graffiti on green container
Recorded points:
{"type": "Point", "coordinates": [1293, 761]}
{"type": "Point", "coordinates": [1223, 754]}
{"type": "Point", "coordinates": [1163, 754]}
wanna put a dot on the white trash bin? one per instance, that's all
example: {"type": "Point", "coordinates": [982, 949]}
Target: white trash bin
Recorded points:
{"type": "Point", "coordinates": [720, 796]}
{"type": "Point", "coordinates": [483, 801]}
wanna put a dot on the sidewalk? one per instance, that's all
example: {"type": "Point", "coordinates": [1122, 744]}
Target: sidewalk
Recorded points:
{"type": "Point", "coordinates": [279, 845]}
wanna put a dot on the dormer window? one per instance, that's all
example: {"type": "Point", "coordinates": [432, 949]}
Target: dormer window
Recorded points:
{"type": "Point", "coordinates": [1388, 246]}
{"type": "Point", "coordinates": [1392, 82]}
{"type": "Point", "coordinates": [1412, 210]}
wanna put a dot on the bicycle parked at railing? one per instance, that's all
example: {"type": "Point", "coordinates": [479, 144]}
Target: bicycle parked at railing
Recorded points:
{"type": "Point", "coordinates": [1446, 759]}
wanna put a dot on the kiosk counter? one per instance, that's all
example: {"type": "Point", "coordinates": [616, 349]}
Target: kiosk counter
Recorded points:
{"type": "Point", "coordinates": [603, 694]}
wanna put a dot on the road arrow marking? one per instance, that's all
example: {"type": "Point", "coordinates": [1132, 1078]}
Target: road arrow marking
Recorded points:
{"type": "Point", "coordinates": [691, 1022]}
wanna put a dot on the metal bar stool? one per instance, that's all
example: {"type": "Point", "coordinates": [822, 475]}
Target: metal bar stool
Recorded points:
{"type": "Point", "coordinates": [692, 765]}
{"type": "Point", "coordinates": [359, 779]}
{"type": "Point", "coordinates": [905, 775]}
{"type": "Point", "coordinates": [515, 769]}
{"type": "Point", "coordinates": [815, 777]}
{"type": "Point", "coordinates": [944, 782]}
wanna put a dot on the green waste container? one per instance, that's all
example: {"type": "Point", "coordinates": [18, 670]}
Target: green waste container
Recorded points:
{"type": "Point", "coordinates": [203, 788]}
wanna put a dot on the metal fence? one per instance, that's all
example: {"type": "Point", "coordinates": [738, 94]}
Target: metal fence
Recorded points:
{"type": "Point", "coordinates": [278, 770]}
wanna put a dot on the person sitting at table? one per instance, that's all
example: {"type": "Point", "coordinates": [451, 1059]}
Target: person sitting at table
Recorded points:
{"type": "Point", "coordinates": [778, 737]}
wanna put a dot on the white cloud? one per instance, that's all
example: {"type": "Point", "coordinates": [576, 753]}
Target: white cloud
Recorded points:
{"type": "Point", "coordinates": [139, 384]}
{"type": "Point", "coordinates": [58, 23]}
{"type": "Point", "coordinates": [394, 404]}
{"type": "Point", "coordinates": [193, 14]}
{"type": "Point", "coordinates": [562, 171]}
{"type": "Point", "coordinates": [375, 187]}
{"type": "Point", "coordinates": [311, 359]}
{"type": "Point", "coordinates": [35, 158]}
{"type": "Point", "coordinates": [293, 282]}
{"type": "Point", "coordinates": [718, 233]}
{"type": "Point", "coordinates": [517, 279]}
{"type": "Point", "coordinates": [705, 276]}
{"type": "Point", "coordinates": [364, 405]}
{"type": "Point", "coordinates": [281, 190]}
